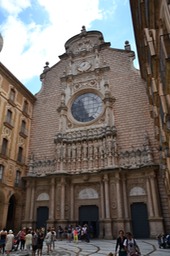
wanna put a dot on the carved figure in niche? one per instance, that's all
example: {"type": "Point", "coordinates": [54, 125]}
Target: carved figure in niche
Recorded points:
{"type": "Point", "coordinates": [96, 150]}
{"type": "Point", "coordinates": [90, 149]}
{"type": "Point", "coordinates": [97, 64]}
{"type": "Point", "coordinates": [79, 150]}
{"type": "Point", "coordinates": [85, 150]}
{"type": "Point", "coordinates": [73, 151]}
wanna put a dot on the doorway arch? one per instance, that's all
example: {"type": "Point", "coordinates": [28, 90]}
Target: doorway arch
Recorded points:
{"type": "Point", "coordinates": [89, 214]}
{"type": "Point", "coordinates": [42, 216]}
{"type": "Point", "coordinates": [11, 213]}
{"type": "Point", "coordinates": [140, 223]}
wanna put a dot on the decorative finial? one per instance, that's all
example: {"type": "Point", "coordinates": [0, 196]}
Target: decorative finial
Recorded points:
{"type": "Point", "coordinates": [83, 30]}
{"type": "Point", "coordinates": [46, 67]}
{"type": "Point", "coordinates": [127, 46]}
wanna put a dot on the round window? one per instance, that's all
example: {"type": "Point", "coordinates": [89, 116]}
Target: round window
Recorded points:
{"type": "Point", "coordinates": [86, 107]}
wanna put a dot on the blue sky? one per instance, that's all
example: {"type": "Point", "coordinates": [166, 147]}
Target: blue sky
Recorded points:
{"type": "Point", "coordinates": [35, 31]}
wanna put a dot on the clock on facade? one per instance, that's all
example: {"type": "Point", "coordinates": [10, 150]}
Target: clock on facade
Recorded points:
{"type": "Point", "coordinates": [84, 66]}
{"type": "Point", "coordinates": [86, 107]}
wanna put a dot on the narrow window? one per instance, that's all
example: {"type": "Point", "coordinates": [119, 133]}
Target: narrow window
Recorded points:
{"type": "Point", "coordinates": [12, 95]}
{"type": "Point", "coordinates": [25, 107]}
{"type": "Point", "coordinates": [1, 171]}
{"type": "Point", "coordinates": [4, 147]}
{"type": "Point", "coordinates": [9, 117]}
{"type": "Point", "coordinates": [18, 177]}
{"type": "Point", "coordinates": [20, 155]}
{"type": "Point", "coordinates": [23, 127]}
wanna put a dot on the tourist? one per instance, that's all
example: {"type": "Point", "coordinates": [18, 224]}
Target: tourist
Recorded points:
{"type": "Point", "coordinates": [3, 235]}
{"type": "Point", "coordinates": [131, 246]}
{"type": "Point", "coordinates": [120, 248]}
{"type": "Point", "coordinates": [28, 241]}
{"type": "Point", "coordinates": [9, 242]}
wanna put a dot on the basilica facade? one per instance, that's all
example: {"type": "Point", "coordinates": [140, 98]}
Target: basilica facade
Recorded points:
{"type": "Point", "coordinates": [93, 154]}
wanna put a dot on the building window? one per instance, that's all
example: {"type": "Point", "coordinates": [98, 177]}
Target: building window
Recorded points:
{"type": "Point", "coordinates": [25, 107]}
{"type": "Point", "coordinates": [20, 155]}
{"type": "Point", "coordinates": [9, 117]}
{"type": "Point", "coordinates": [86, 107]}
{"type": "Point", "coordinates": [12, 95]}
{"type": "Point", "coordinates": [4, 147]}
{"type": "Point", "coordinates": [1, 171]}
{"type": "Point", "coordinates": [23, 131]}
{"type": "Point", "coordinates": [18, 177]}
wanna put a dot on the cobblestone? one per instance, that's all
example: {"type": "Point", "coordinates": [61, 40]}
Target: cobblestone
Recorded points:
{"type": "Point", "coordinates": [98, 247]}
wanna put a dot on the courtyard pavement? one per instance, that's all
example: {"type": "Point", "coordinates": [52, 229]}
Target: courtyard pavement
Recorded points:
{"type": "Point", "coordinates": [98, 247]}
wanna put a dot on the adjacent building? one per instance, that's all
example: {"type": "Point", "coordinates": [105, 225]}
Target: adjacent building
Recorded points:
{"type": "Point", "coordinates": [151, 21]}
{"type": "Point", "coordinates": [16, 106]}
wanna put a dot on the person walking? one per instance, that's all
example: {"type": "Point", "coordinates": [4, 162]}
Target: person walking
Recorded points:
{"type": "Point", "coordinates": [48, 240]}
{"type": "Point", "coordinates": [120, 248]}
{"type": "Point", "coordinates": [131, 246]}
{"type": "Point", "coordinates": [40, 242]}
{"type": "Point", "coordinates": [9, 242]}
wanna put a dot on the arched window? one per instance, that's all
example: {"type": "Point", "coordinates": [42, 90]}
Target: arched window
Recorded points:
{"type": "Point", "coordinates": [1, 171]}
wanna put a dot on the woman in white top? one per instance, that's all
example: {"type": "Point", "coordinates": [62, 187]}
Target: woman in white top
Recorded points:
{"type": "Point", "coordinates": [9, 242]}
{"type": "Point", "coordinates": [131, 246]}
{"type": "Point", "coordinates": [28, 241]}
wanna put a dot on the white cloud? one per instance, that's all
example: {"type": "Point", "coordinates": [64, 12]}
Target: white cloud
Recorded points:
{"type": "Point", "coordinates": [14, 6]}
{"type": "Point", "coordinates": [28, 46]}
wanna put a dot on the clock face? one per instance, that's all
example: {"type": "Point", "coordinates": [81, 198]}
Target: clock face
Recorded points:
{"type": "Point", "coordinates": [84, 66]}
{"type": "Point", "coordinates": [86, 107]}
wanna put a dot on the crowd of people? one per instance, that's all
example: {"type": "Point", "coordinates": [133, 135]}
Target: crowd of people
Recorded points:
{"type": "Point", "coordinates": [33, 240]}
{"type": "Point", "coordinates": [126, 245]}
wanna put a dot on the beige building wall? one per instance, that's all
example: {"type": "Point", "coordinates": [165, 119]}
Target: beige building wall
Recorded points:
{"type": "Point", "coordinates": [16, 105]}
{"type": "Point", "coordinates": [151, 21]}
{"type": "Point", "coordinates": [93, 146]}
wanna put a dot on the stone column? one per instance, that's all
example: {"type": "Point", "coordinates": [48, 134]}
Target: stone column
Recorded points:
{"type": "Point", "coordinates": [4, 214]}
{"type": "Point", "coordinates": [28, 200]}
{"type": "Point", "coordinates": [125, 199]}
{"type": "Point", "coordinates": [119, 199]}
{"type": "Point", "coordinates": [102, 200]}
{"type": "Point", "coordinates": [52, 193]}
{"type": "Point", "coordinates": [32, 205]}
{"type": "Point", "coordinates": [154, 195]}
{"type": "Point", "coordinates": [107, 221]}
{"type": "Point", "coordinates": [72, 202]}
{"type": "Point", "coordinates": [62, 198]}
{"type": "Point", "coordinates": [107, 204]}
{"type": "Point", "coordinates": [150, 206]}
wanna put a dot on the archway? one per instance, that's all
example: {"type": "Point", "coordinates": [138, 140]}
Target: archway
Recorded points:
{"type": "Point", "coordinates": [89, 214]}
{"type": "Point", "coordinates": [11, 213]}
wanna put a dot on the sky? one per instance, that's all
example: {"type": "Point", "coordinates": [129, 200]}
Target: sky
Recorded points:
{"type": "Point", "coordinates": [35, 31]}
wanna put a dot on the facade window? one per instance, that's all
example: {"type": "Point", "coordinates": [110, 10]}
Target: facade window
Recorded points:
{"type": "Point", "coordinates": [1, 171]}
{"type": "Point", "coordinates": [20, 155]}
{"type": "Point", "coordinates": [18, 177]}
{"type": "Point", "coordinates": [4, 147]}
{"type": "Point", "coordinates": [25, 107]}
{"type": "Point", "coordinates": [86, 107]}
{"type": "Point", "coordinates": [12, 95]}
{"type": "Point", "coordinates": [23, 127]}
{"type": "Point", "coordinates": [9, 117]}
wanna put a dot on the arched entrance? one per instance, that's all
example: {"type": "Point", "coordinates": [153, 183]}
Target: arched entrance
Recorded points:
{"type": "Point", "coordinates": [140, 223]}
{"type": "Point", "coordinates": [11, 213]}
{"type": "Point", "coordinates": [89, 214]}
{"type": "Point", "coordinates": [42, 216]}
